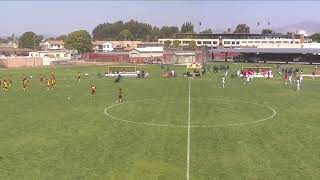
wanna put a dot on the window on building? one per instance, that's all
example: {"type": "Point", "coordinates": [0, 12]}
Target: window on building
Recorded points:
{"type": "Point", "coordinates": [238, 42]}
{"type": "Point", "coordinates": [264, 42]}
{"type": "Point", "coordinates": [57, 55]}
{"type": "Point", "coordinates": [58, 46]}
{"type": "Point", "coordinates": [214, 42]}
{"type": "Point", "coordinates": [250, 42]}
{"type": "Point", "coordinates": [297, 42]}
{"type": "Point", "coordinates": [233, 42]}
{"type": "Point", "coordinates": [244, 42]}
{"type": "Point", "coordinates": [286, 42]}
{"type": "Point", "coordinates": [103, 46]}
{"type": "Point", "coordinates": [65, 55]}
{"type": "Point", "coordinates": [199, 42]}
{"type": "Point", "coordinates": [185, 42]}
{"type": "Point", "coordinates": [226, 42]}
{"type": "Point", "coordinates": [257, 42]}
{"type": "Point", "coordinates": [206, 42]}
{"type": "Point", "coordinates": [278, 42]}
{"type": "Point", "coordinates": [271, 42]}
{"type": "Point", "coordinates": [107, 46]}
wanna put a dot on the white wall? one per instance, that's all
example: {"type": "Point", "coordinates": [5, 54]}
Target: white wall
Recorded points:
{"type": "Point", "coordinates": [47, 45]}
{"type": "Point", "coordinates": [232, 42]}
{"type": "Point", "coordinates": [57, 55]}
{"type": "Point", "coordinates": [107, 47]}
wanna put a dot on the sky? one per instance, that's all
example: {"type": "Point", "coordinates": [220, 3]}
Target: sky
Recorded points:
{"type": "Point", "coordinates": [63, 17]}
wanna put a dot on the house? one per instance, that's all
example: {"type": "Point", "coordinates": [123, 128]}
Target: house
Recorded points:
{"type": "Point", "coordinates": [53, 45]}
{"type": "Point", "coordinates": [147, 52]}
{"type": "Point", "coordinates": [102, 46]}
{"type": "Point", "coordinates": [10, 44]}
{"type": "Point", "coordinates": [50, 56]}
{"type": "Point", "coordinates": [125, 45]}
{"type": "Point", "coordinates": [107, 46]}
{"type": "Point", "coordinates": [10, 51]}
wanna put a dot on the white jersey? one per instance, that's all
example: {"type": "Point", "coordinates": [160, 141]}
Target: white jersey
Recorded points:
{"type": "Point", "coordinates": [298, 85]}
{"type": "Point", "coordinates": [223, 81]}
{"type": "Point", "coordinates": [238, 73]}
{"type": "Point", "coordinates": [290, 78]}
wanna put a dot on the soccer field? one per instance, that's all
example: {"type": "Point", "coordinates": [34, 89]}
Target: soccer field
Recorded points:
{"type": "Point", "coordinates": [165, 129]}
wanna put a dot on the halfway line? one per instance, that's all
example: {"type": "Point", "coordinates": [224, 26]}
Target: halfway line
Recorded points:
{"type": "Point", "coordinates": [188, 146]}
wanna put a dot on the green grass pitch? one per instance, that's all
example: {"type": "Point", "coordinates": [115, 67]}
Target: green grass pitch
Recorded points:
{"type": "Point", "coordinates": [45, 135]}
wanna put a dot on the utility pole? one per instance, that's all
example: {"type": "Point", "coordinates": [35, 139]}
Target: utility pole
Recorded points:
{"type": "Point", "coordinates": [34, 48]}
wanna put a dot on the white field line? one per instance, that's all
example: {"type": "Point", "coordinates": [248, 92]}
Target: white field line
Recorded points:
{"type": "Point", "coordinates": [191, 126]}
{"type": "Point", "coordinates": [189, 134]}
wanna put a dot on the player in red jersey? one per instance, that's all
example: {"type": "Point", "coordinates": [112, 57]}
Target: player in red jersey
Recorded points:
{"type": "Point", "coordinates": [285, 78]}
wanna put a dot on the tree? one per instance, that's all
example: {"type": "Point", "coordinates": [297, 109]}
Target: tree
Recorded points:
{"type": "Point", "coordinates": [155, 34]}
{"type": "Point", "coordinates": [79, 40]}
{"type": "Point", "coordinates": [206, 31]}
{"type": "Point", "coordinates": [176, 44]}
{"type": "Point", "coordinates": [111, 31]}
{"type": "Point", "coordinates": [168, 31]}
{"type": "Point", "coordinates": [167, 43]}
{"type": "Point", "coordinates": [242, 28]}
{"type": "Point", "coordinates": [266, 31]}
{"type": "Point", "coordinates": [61, 37]}
{"type": "Point", "coordinates": [30, 40]}
{"type": "Point", "coordinates": [192, 45]}
{"type": "Point", "coordinates": [315, 37]}
{"type": "Point", "coordinates": [125, 34]}
{"type": "Point", "coordinates": [187, 27]}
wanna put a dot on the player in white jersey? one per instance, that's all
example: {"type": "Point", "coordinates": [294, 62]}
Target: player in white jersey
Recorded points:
{"type": "Point", "coordinates": [223, 81]}
{"type": "Point", "coordinates": [290, 78]}
{"type": "Point", "coordinates": [298, 85]}
{"type": "Point", "coordinates": [301, 77]}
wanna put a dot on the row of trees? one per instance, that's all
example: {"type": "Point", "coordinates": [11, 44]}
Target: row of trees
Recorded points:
{"type": "Point", "coordinates": [79, 40]}
{"type": "Point", "coordinates": [133, 30]}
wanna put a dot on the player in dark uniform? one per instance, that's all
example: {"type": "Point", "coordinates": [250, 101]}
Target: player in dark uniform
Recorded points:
{"type": "Point", "coordinates": [48, 83]}
{"type": "Point", "coordinates": [78, 76]}
{"type": "Point", "coordinates": [5, 85]}
{"type": "Point", "coordinates": [53, 82]}
{"type": "Point", "coordinates": [24, 83]}
{"type": "Point", "coordinates": [120, 95]}
{"type": "Point", "coordinates": [41, 80]}
{"type": "Point", "coordinates": [10, 80]}
{"type": "Point", "coordinates": [93, 91]}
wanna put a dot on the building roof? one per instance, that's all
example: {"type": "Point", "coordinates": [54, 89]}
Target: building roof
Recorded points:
{"type": "Point", "coordinates": [233, 36]}
{"type": "Point", "coordinates": [269, 50]}
{"type": "Point", "coordinates": [11, 49]}
{"type": "Point", "coordinates": [132, 44]}
{"type": "Point", "coordinates": [149, 49]}
{"type": "Point", "coordinates": [97, 43]}
{"type": "Point", "coordinates": [57, 42]}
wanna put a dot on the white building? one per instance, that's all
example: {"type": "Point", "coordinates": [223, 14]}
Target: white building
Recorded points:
{"type": "Point", "coordinates": [147, 52]}
{"type": "Point", "coordinates": [239, 40]}
{"type": "Point", "coordinates": [103, 46]}
{"type": "Point", "coordinates": [53, 45]}
{"type": "Point", "coordinates": [50, 56]}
